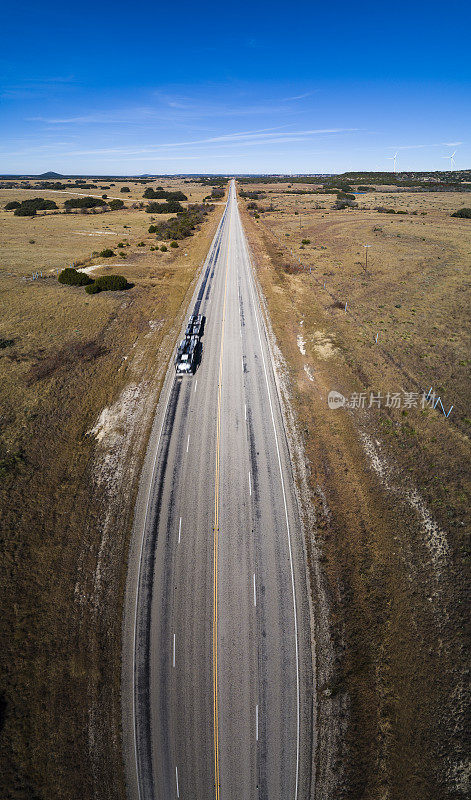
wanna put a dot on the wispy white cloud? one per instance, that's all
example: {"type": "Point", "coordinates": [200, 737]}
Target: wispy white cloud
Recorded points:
{"type": "Point", "coordinates": [118, 115]}
{"type": "Point", "coordinates": [228, 143]}
{"type": "Point", "coordinates": [423, 146]}
{"type": "Point", "coordinates": [298, 96]}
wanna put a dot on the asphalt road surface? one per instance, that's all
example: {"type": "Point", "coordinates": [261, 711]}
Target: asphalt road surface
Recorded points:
{"type": "Point", "coordinates": [217, 681]}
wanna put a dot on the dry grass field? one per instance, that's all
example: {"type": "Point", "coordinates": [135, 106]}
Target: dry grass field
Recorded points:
{"type": "Point", "coordinates": [390, 486]}
{"type": "Point", "coordinates": [79, 379]}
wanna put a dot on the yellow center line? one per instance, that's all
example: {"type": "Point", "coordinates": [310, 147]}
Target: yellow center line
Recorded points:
{"type": "Point", "coordinates": [215, 544]}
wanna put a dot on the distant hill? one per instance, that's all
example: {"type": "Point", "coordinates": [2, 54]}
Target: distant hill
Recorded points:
{"type": "Point", "coordinates": [50, 175]}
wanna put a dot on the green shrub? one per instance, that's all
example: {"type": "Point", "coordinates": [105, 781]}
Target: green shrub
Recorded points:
{"type": "Point", "coordinates": [107, 283]}
{"type": "Point", "coordinates": [72, 277]}
{"type": "Point", "coordinates": [164, 248]}
{"type": "Point", "coordinates": [104, 196]}
{"type": "Point", "coordinates": [84, 202]}
{"type": "Point", "coordinates": [462, 213]}
{"type": "Point", "coordinates": [120, 244]}
{"type": "Point", "coordinates": [28, 208]}
{"type": "Point", "coordinates": [184, 224]}
{"type": "Point", "coordinates": [92, 288]}
{"type": "Point", "coordinates": [306, 241]}
{"type": "Point", "coordinates": [173, 244]}
{"type": "Point", "coordinates": [12, 205]}
{"type": "Point", "coordinates": [125, 189]}
{"type": "Point", "coordinates": [141, 244]}
{"type": "Point", "coordinates": [161, 194]}
{"type": "Point", "coordinates": [152, 228]}
{"type": "Point", "coordinates": [123, 255]}
{"type": "Point", "coordinates": [170, 207]}
{"type": "Point", "coordinates": [107, 253]}
{"type": "Point", "coordinates": [116, 204]}
{"type": "Point", "coordinates": [340, 205]}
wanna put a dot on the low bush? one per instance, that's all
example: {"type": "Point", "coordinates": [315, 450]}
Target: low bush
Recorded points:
{"type": "Point", "coordinates": [383, 210]}
{"type": "Point", "coordinates": [306, 241]}
{"type": "Point", "coordinates": [164, 248]}
{"type": "Point", "coordinates": [84, 202]}
{"type": "Point", "coordinates": [173, 244]}
{"type": "Point", "coordinates": [107, 253]}
{"type": "Point", "coordinates": [340, 205]}
{"type": "Point", "coordinates": [72, 277]}
{"type": "Point", "coordinates": [28, 208]}
{"type": "Point", "coordinates": [462, 213]}
{"type": "Point", "coordinates": [12, 205]}
{"type": "Point", "coordinates": [112, 283]}
{"type": "Point", "coordinates": [124, 189]}
{"type": "Point", "coordinates": [184, 224]}
{"type": "Point", "coordinates": [152, 228]}
{"type": "Point", "coordinates": [170, 207]}
{"type": "Point", "coordinates": [92, 288]}
{"type": "Point", "coordinates": [116, 204]}
{"type": "Point", "coordinates": [162, 194]}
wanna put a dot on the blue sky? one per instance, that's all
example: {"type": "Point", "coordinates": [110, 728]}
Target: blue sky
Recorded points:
{"type": "Point", "coordinates": [112, 88]}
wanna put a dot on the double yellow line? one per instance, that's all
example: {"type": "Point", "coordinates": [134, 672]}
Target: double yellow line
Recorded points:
{"type": "Point", "coordinates": [215, 543]}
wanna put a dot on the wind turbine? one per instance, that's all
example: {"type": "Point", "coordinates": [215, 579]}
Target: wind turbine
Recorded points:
{"type": "Point", "coordinates": [393, 158]}
{"type": "Point", "coordinates": [452, 159]}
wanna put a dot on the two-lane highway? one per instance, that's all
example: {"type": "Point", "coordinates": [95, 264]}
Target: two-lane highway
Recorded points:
{"type": "Point", "coordinates": [217, 676]}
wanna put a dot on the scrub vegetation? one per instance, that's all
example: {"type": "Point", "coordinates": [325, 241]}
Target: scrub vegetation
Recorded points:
{"type": "Point", "coordinates": [79, 379]}
{"type": "Point", "coordinates": [390, 485]}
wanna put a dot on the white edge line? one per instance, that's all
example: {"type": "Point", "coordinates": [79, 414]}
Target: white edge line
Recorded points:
{"type": "Point", "coordinates": [218, 229]}
{"type": "Point", "coordinates": [188, 443]}
{"type": "Point", "coordinates": [196, 384]}
{"type": "Point", "coordinates": [176, 780]}
{"type": "Point", "coordinates": [179, 530]}
{"type": "Point", "coordinates": [254, 591]}
{"type": "Point", "coordinates": [252, 280]}
{"type": "Point", "coordinates": [173, 649]}
{"type": "Point", "coordinates": [256, 722]}
{"type": "Point", "coordinates": [250, 485]}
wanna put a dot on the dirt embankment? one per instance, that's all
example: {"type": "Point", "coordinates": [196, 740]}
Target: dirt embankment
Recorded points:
{"type": "Point", "coordinates": [388, 546]}
{"type": "Point", "coordinates": [80, 380]}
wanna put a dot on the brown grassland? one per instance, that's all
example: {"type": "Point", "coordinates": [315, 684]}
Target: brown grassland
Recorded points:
{"type": "Point", "coordinates": [79, 379]}
{"type": "Point", "coordinates": [390, 486]}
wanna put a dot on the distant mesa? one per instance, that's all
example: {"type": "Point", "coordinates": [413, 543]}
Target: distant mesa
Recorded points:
{"type": "Point", "coordinates": [50, 175]}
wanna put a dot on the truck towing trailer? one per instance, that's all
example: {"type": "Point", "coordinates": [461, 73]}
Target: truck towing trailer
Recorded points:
{"type": "Point", "coordinates": [190, 346]}
{"type": "Point", "coordinates": [185, 360]}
